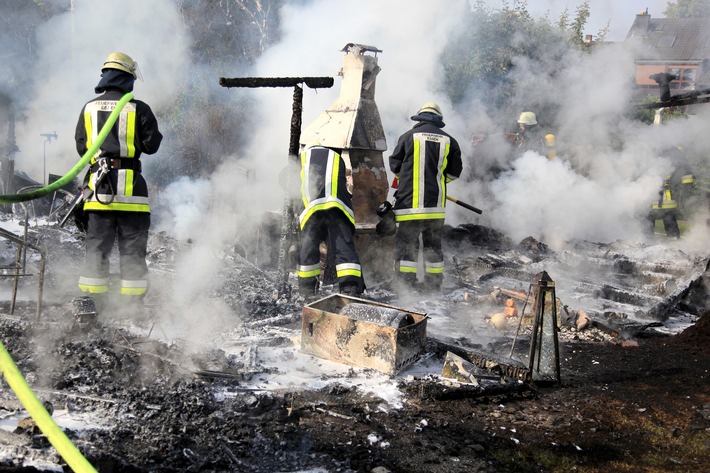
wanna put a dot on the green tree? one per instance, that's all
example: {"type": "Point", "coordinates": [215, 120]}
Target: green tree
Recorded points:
{"type": "Point", "coordinates": [688, 9]}
{"type": "Point", "coordinates": [502, 51]}
{"type": "Point", "coordinates": [647, 115]}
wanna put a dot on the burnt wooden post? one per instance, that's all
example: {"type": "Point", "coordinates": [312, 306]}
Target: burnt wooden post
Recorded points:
{"type": "Point", "coordinates": [295, 136]}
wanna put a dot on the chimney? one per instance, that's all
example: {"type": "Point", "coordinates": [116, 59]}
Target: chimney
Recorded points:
{"type": "Point", "coordinates": [640, 27]}
{"type": "Point", "coordinates": [353, 120]}
{"type": "Point", "coordinates": [352, 123]}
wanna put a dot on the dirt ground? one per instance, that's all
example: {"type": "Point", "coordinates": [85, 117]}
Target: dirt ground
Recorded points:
{"type": "Point", "coordinates": [640, 405]}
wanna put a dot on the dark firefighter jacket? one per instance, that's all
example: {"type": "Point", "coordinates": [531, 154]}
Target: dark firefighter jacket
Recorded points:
{"type": "Point", "coordinates": [135, 132]}
{"type": "Point", "coordinates": [537, 141]}
{"type": "Point", "coordinates": [424, 160]}
{"type": "Point", "coordinates": [323, 184]}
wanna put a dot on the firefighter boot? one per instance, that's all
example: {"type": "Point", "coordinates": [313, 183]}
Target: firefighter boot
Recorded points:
{"type": "Point", "coordinates": [308, 287]}
{"type": "Point", "coordinates": [353, 290]}
{"type": "Point", "coordinates": [404, 282]}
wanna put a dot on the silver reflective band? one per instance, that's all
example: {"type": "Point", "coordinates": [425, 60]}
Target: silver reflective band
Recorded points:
{"type": "Point", "coordinates": [93, 281]}
{"type": "Point", "coordinates": [305, 269]}
{"type": "Point", "coordinates": [136, 283]}
{"type": "Point", "coordinates": [344, 266]}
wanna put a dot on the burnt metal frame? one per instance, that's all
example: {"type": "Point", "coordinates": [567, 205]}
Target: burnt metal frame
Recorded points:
{"type": "Point", "coordinates": [20, 268]}
{"type": "Point", "coordinates": [297, 110]}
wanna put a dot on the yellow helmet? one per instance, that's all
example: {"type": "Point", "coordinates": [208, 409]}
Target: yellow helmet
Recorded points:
{"type": "Point", "coordinates": [430, 107]}
{"type": "Point", "coordinates": [527, 118]}
{"type": "Point", "coordinates": [122, 62]}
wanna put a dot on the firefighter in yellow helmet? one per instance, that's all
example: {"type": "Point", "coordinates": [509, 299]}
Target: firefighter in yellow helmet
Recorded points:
{"type": "Point", "coordinates": [424, 161]}
{"type": "Point", "coordinates": [530, 138]}
{"type": "Point", "coordinates": [116, 194]}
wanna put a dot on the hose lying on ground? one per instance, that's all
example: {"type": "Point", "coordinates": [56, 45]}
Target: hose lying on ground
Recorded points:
{"type": "Point", "coordinates": [44, 421]}
{"type": "Point", "coordinates": [67, 178]}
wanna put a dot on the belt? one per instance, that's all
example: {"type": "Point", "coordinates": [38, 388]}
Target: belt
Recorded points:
{"type": "Point", "coordinates": [119, 163]}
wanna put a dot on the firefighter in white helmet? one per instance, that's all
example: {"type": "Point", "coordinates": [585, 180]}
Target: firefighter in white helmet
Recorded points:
{"type": "Point", "coordinates": [424, 160]}
{"type": "Point", "coordinates": [530, 137]}
{"type": "Point", "coordinates": [116, 194]}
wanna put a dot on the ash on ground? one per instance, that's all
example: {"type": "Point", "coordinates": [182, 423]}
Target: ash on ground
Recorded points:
{"type": "Point", "coordinates": [210, 377]}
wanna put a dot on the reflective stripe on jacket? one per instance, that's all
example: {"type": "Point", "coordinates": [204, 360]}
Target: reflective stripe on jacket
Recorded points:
{"type": "Point", "coordinates": [323, 184]}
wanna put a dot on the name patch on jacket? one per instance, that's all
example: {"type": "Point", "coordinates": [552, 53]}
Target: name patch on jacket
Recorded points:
{"type": "Point", "coordinates": [433, 137]}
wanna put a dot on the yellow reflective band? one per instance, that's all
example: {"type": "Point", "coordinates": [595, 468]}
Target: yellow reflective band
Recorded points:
{"type": "Point", "coordinates": [434, 270]}
{"type": "Point", "coordinates": [325, 205]}
{"type": "Point", "coordinates": [308, 274]}
{"type": "Point", "coordinates": [415, 174]}
{"type": "Point", "coordinates": [407, 266]}
{"type": "Point", "coordinates": [89, 131]}
{"type": "Point", "coordinates": [131, 134]}
{"type": "Point", "coordinates": [124, 207]}
{"type": "Point", "coordinates": [420, 216]}
{"type": "Point", "coordinates": [349, 272]}
{"type": "Point", "coordinates": [443, 180]}
{"type": "Point", "coordinates": [133, 291]}
{"type": "Point", "coordinates": [334, 175]}
{"type": "Point", "coordinates": [128, 182]}
{"type": "Point", "coordinates": [93, 289]}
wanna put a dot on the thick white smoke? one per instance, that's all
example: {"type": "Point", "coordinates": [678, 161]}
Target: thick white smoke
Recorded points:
{"type": "Point", "coordinates": [73, 47]}
{"type": "Point", "coordinates": [597, 189]}
{"type": "Point", "coordinates": [609, 167]}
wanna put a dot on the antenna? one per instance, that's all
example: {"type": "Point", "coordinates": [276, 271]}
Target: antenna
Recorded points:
{"type": "Point", "coordinates": [47, 139]}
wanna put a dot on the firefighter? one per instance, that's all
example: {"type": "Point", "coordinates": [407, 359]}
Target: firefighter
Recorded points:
{"type": "Point", "coordinates": [529, 137]}
{"type": "Point", "coordinates": [674, 198]}
{"type": "Point", "coordinates": [117, 206]}
{"type": "Point", "coordinates": [424, 160]}
{"type": "Point", "coordinates": [328, 217]}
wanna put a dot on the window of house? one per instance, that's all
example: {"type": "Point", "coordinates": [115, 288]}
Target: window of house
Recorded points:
{"type": "Point", "coordinates": [685, 78]}
{"type": "Point", "coordinates": [666, 42]}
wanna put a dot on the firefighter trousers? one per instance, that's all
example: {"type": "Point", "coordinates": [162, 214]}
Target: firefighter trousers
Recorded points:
{"type": "Point", "coordinates": [406, 252]}
{"type": "Point", "coordinates": [331, 226]}
{"type": "Point", "coordinates": [103, 229]}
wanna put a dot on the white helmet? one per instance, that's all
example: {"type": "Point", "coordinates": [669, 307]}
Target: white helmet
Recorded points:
{"type": "Point", "coordinates": [527, 118]}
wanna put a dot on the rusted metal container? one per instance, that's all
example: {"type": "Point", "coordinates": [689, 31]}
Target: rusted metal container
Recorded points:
{"type": "Point", "coordinates": [389, 341]}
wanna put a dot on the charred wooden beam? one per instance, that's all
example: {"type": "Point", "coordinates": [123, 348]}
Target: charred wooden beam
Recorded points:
{"type": "Point", "coordinates": [295, 136]}
{"type": "Point", "coordinates": [254, 82]}
{"type": "Point", "coordinates": [690, 98]}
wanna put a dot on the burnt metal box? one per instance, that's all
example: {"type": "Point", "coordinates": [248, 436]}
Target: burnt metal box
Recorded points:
{"type": "Point", "coordinates": [327, 333]}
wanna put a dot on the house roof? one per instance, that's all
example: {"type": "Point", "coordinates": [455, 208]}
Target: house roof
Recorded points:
{"type": "Point", "coordinates": [671, 39]}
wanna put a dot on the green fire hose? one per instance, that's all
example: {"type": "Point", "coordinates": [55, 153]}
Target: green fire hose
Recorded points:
{"type": "Point", "coordinates": [13, 376]}
{"type": "Point", "coordinates": [67, 178]}
{"type": "Point", "coordinates": [44, 421]}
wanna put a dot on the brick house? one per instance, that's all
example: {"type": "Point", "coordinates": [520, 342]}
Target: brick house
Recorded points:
{"type": "Point", "coordinates": [678, 46]}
